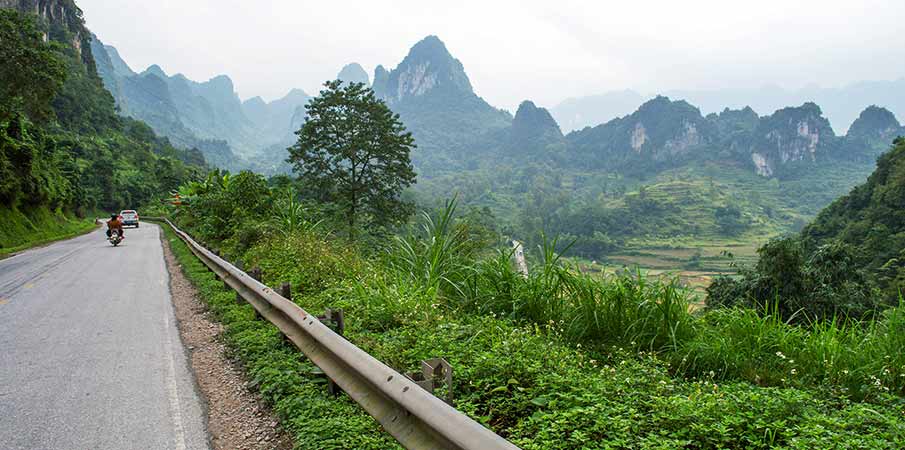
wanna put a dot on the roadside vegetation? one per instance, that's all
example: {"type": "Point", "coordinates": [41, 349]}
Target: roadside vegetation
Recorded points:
{"type": "Point", "coordinates": [801, 351]}
{"type": "Point", "coordinates": [38, 226]}
{"type": "Point", "coordinates": [559, 359]}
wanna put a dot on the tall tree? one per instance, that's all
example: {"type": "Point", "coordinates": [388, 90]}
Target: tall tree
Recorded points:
{"type": "Point", "coordinates": [354, 152]}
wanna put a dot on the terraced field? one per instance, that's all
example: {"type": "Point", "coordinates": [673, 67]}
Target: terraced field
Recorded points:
{"type": "Point", "coordinates": [694, 263]}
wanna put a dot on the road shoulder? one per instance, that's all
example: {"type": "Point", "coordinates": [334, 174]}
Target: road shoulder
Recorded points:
{"type": "Point", "coordinates": [237, 417]}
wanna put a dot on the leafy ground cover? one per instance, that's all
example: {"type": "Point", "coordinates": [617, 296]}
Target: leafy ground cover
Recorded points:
{"type": "Point", "coordinates": [562, 359]}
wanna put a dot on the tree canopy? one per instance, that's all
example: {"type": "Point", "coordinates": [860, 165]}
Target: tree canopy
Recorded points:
{"type": "Point", "coordinates": [354, 152]}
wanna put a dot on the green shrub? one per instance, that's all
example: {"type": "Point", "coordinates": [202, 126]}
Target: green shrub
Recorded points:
{"type": "Point", "coordinates": [800, 286]}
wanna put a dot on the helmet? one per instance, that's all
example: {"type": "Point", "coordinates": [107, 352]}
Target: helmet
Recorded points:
{"type": "Point", "coordinates": [114, 215]}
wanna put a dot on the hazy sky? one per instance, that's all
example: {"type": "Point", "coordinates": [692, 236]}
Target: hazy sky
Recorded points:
{"type": "Point", "coordinates": [514, 50]}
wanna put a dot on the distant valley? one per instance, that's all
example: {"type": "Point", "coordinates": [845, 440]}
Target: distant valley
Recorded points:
{"type": "Point", "coordinates": [656, 171]}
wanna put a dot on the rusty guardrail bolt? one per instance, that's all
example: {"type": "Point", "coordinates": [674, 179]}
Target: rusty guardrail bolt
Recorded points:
{"type": "Point", "coordinates": [435, 372]}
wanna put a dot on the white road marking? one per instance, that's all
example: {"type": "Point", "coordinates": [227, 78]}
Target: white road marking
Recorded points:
{"type": "Point", "coordinates": [172, 387]}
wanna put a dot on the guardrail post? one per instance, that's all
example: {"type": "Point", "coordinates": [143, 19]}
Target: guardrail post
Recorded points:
{"type": "Point", "coordinates": [256, 274]}
{"type": "Point", "coordinates": [239, 265]}
{"type": "Point", "coordinates": [286, 292]}
{"type": "Point", "coordinates": [334, 319]}
{"type": "Point", "coordinates": [434, 372]}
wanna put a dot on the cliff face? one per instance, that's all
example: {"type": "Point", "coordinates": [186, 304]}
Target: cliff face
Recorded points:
{"type": "Point", "coordinates": [426, 68]}
{"type": "Point", "coordinates": [661, 131]}
{"type": "Point", "coordinates": [791, 135]}
{"type": "Point", "coordinates": [62, 21]}
{"type": "Point", "coordinates": [432, 94]}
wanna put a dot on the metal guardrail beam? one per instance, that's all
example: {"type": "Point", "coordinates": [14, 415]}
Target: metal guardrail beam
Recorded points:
{"type": "Point", "coordinates": [414, 417]}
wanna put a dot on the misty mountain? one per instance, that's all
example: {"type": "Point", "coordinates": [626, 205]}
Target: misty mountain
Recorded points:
{"type": "Point", "coordinates": [432, 94]}
{"type": "Point", "coordinates": [275, 119]}
{"type": "Point", "coordinates": [205, 115]}
{"type": "Point", "coordinates": [841, 106]}
{"type": "Point", "coordinates": [353, 73]}
{"type": "Point", "coordinates": [533, 130]}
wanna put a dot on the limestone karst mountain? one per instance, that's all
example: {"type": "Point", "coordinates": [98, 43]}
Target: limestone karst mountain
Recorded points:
{"type": "Point", "coordinates": [353, 73]}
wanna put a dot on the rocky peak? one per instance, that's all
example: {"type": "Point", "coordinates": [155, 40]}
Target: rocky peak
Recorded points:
{"type": "Point", "coordinates": [381, 77]}
{"type": "Point", "coordinates": [872, 133]}
{"type": "Point", "coordinates": [353, 73]}
{"type": "Point", "coordinates": [533, 128]}
{"type": "Point", "coordinates": [790, 135]}
{"type": "Point", "coordinates": [155, 70]}
{"type": "Point", "coordinates": [737, 119]}
{"type": "Point", "coordinates": [220, 83]}
{"type": "Point", "coordinates": [529, 117]}
{"type": "Point", "coordinates": [428, 67]}
{"type": "Point", "coordinates": [119, 65]}
{"type": "Point", "coordinates": [874, 123]}
{"type": "Point", "coordinates": [666, 128]}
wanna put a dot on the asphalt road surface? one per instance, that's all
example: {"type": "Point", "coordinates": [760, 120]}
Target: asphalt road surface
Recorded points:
{"type": "Point", "coordinates": [90, 356]}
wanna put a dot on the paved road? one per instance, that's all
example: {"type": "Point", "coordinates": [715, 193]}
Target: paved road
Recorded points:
{"type": "Point", "coordinates": [90, 356]}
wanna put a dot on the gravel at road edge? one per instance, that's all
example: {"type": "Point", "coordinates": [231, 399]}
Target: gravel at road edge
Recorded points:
{"type": "Point", "coordinates": [237, 417]}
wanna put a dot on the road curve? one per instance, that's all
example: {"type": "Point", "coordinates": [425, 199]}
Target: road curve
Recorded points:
{"type": "Point", "coordinates": [90, 356]}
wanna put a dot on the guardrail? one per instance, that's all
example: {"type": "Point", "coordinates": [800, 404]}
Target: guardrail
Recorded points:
{"type": "Point", "coordinates": [414, 417]}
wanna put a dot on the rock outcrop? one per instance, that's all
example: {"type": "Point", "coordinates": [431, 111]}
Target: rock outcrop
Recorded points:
{"type": "Point", "coordinates": [661, 131]}
{"type": "Point", "coordinates": [791, 135]}
{"type": "Point", "coordinates": [64, 20]}
{"type": "Point", "coordinates": [432, 94]}
{"type": "Point", "coordinates": [428, 67]}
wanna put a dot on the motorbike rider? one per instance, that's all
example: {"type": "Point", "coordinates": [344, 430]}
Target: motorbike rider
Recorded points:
{"type": "Point", "coordinates": [115, 224]}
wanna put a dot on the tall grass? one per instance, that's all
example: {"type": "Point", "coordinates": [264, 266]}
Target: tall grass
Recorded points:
{"type": "Point", "coordinates": [859, 359]}
{"type": "Point", "coordinates": [436, 254]}
{"type": "Point", "coordinates": [291, 215]}
{"type": "Point", "coordinates": [626, 310]}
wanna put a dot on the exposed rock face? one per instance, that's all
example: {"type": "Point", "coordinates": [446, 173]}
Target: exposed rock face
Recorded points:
{"type": "Point", "coordinates": [639, 137]}
{"type": "Point", "coordinates": [432, 94]}
{"type": "Point", "coordinates": [661, 131]}
{"type": "Point", "coordinates": [761, 167]}
{"type": "Point", "coordinates": [353, 73]}
{"type": "Point", "coordinates": [426, 68]}
{"type": "Point", "coordinates": [791, 135]}
{"type": "Point", "coordinates": [64, 17]}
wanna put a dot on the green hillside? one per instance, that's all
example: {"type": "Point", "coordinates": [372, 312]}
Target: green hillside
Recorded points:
{"type": "Point", "coordinates": [872, 220]}
{"type": "Point", "coordinates": [63, 149]}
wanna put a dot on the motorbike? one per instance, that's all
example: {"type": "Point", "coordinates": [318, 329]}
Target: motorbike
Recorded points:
{"type": "Point", "coordinates": [115, 237]}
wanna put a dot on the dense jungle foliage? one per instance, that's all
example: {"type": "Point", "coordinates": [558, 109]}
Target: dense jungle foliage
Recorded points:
{"type": "Point", "coordinates": [63, 148]}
